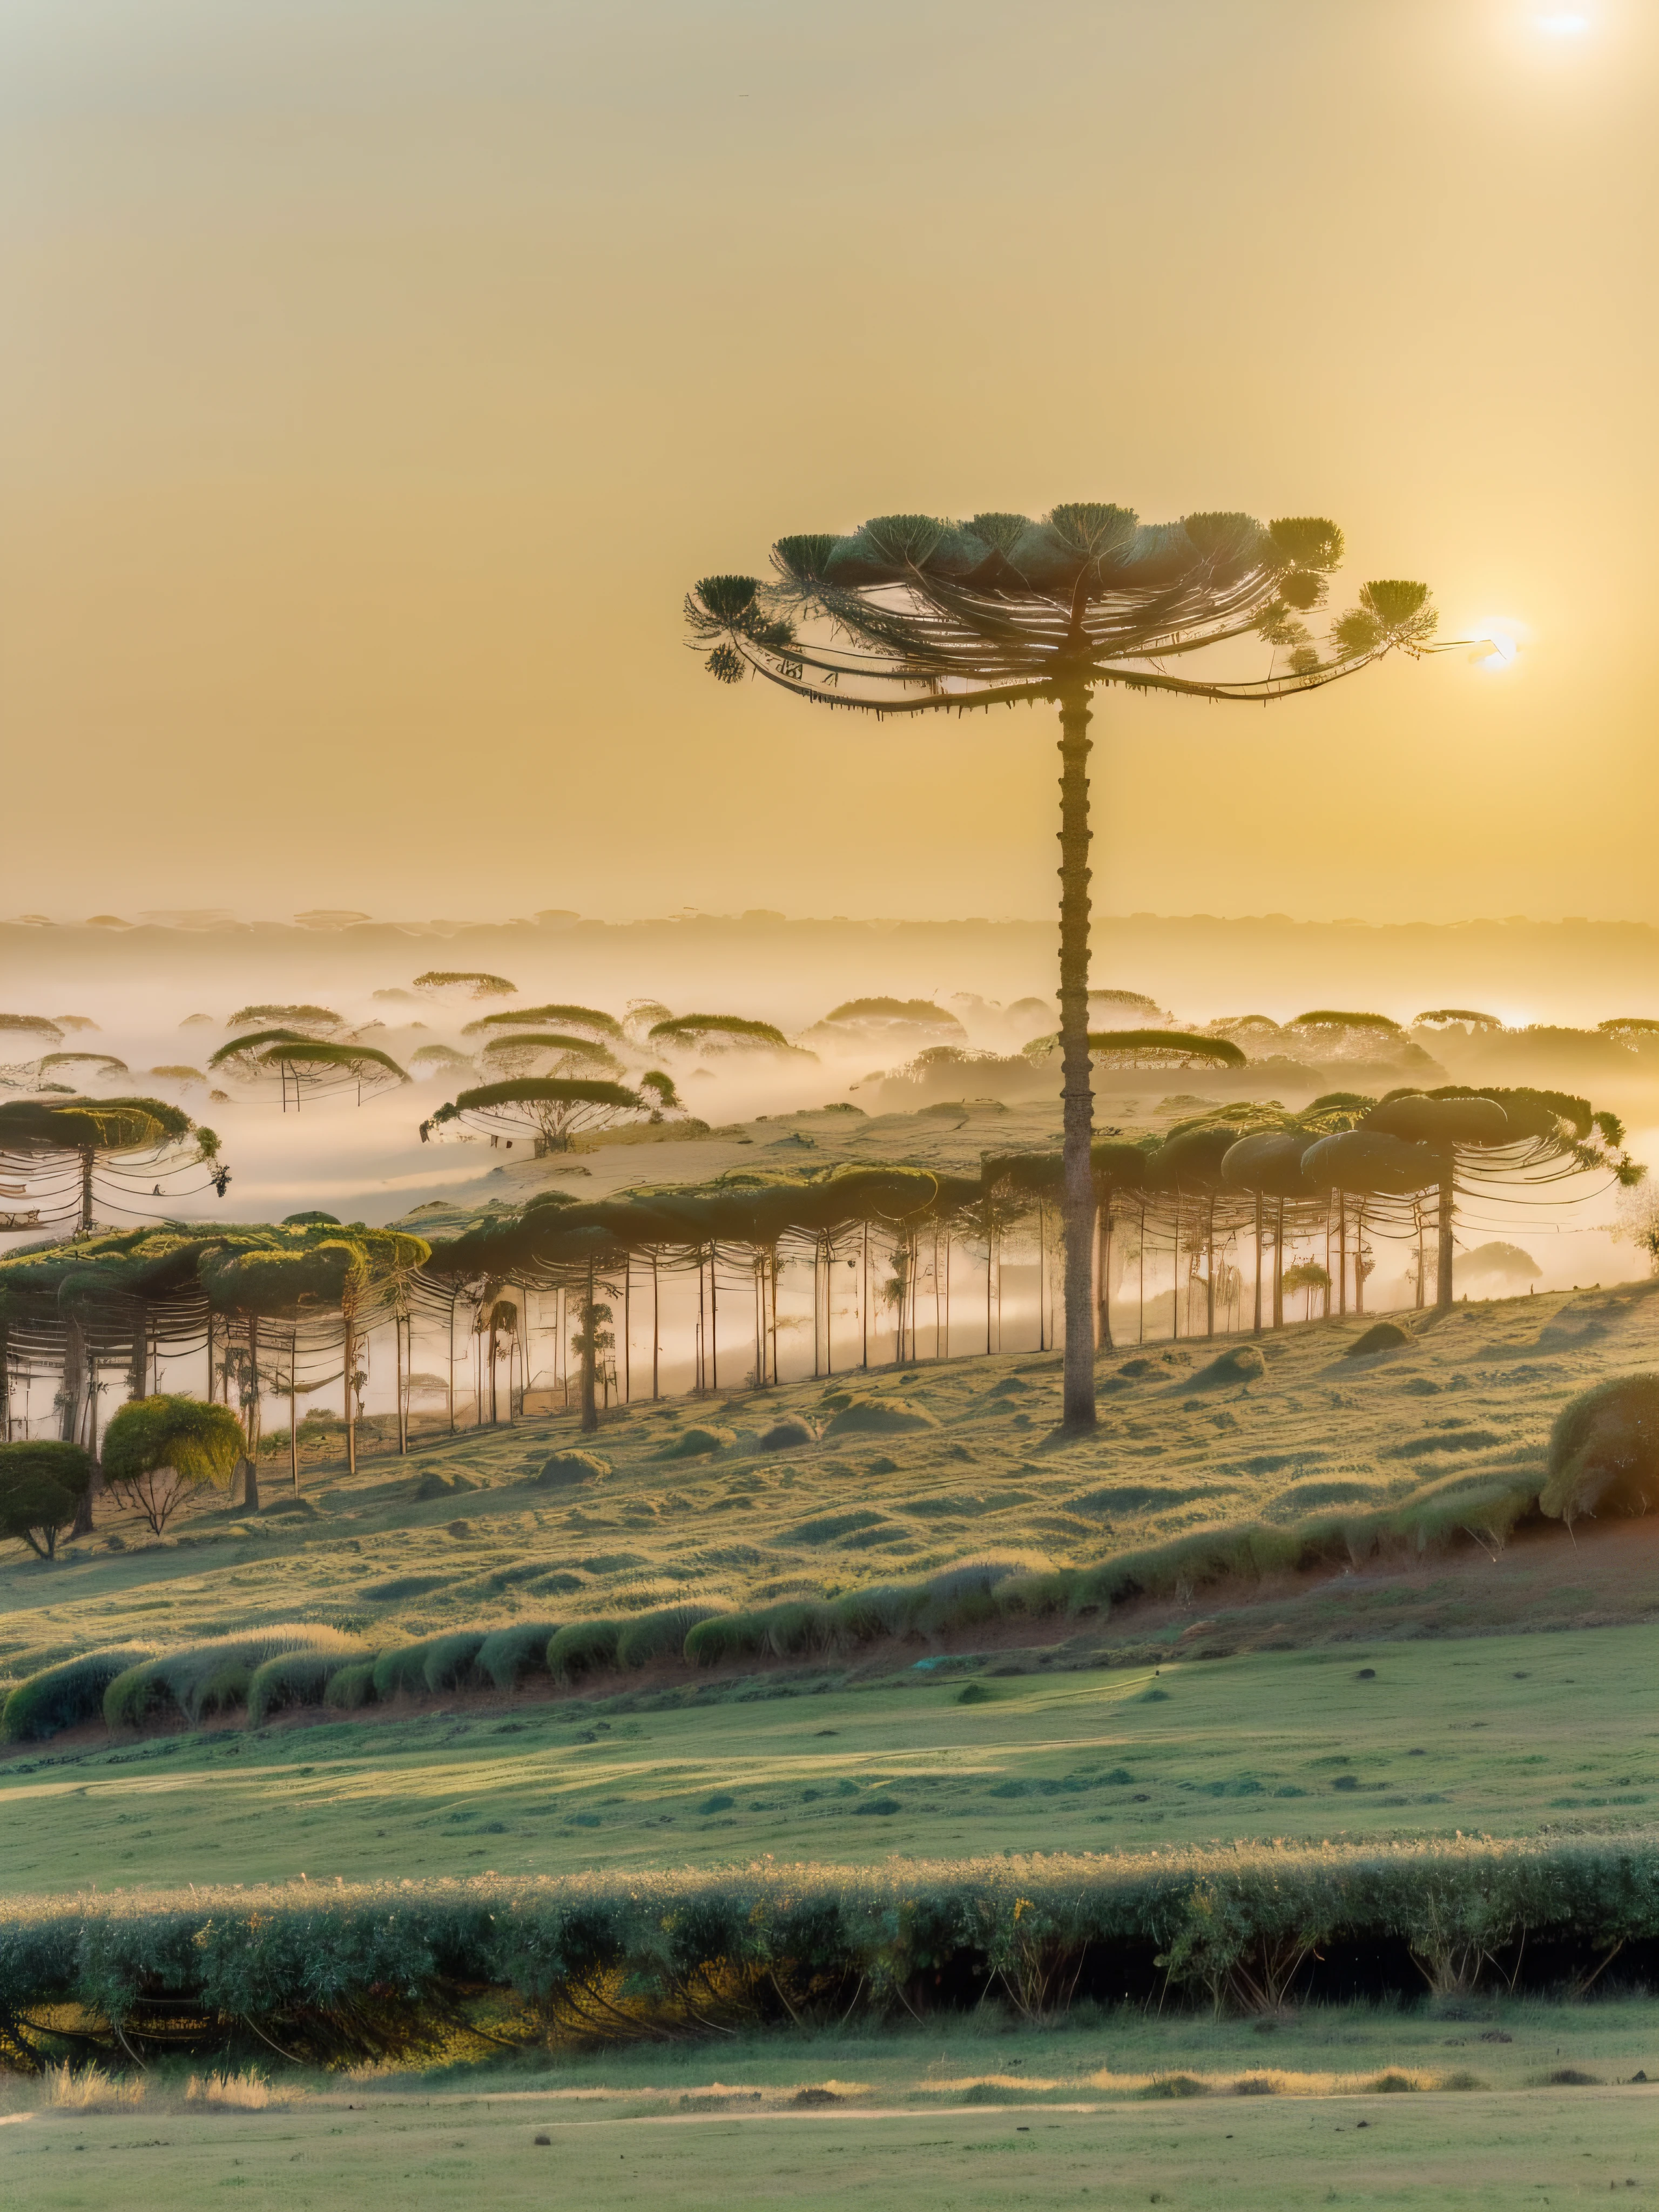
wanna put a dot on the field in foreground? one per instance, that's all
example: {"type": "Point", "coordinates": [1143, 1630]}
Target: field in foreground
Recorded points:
{"type": "Point", "coordinates": [1505, 1734]}
{"type": "Point", "coordinates": [1349, 2106]}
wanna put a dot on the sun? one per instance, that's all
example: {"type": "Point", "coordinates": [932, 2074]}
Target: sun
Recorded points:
{"type": "Point", "coordinates": [1564, 25]}
{"type": "Point", "coordinates": [1497, 642]}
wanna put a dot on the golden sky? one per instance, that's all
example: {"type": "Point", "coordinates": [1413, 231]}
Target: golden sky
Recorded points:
{"type": "Point", "coordinates": [377, 373]}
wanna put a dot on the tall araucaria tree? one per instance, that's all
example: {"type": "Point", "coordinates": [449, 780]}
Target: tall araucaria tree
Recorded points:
{"type": "Point", "coordinates": [911, 616]}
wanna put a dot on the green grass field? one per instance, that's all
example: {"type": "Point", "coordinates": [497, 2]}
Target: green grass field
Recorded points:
{"type": "Point", "coordinates": [1124, 2110]}
{"type": "Point", "coordinates": [1501, 1734]}
{"type": "Point", "coordinates": [1415, 1697]}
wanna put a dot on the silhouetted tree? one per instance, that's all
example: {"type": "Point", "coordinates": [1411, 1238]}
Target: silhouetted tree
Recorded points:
{"type": "Point", "coordinates": [910, 615]}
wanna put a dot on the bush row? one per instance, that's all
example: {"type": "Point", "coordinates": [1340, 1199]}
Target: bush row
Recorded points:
{"type": "Point", "coordinates": [627, 1954]}
{"type": "Point", "coordinates": [299, 1664]}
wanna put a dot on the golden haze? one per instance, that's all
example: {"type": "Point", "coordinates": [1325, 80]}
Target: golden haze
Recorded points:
{"type": "Point", "coordinates": [378, 377]}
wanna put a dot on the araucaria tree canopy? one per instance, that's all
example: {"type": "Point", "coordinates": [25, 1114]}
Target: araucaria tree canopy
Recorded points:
{"type": "Point", "coordinates": [910, 615]}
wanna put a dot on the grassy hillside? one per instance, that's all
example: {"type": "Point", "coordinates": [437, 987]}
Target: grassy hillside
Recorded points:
{"type": "Point", "coordinates": [698, 1508]}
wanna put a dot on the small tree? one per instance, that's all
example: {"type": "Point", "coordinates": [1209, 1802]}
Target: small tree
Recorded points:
{"type": "Point", "coordinates": [554, 1111]}
{"type": "Point", "coordinates": [719, 1033]}
{"type": "Point", "coordinates": [41, 1486]}
{"type": "Point", "coordinates": [1309, 1276]}
{"type": "Point", "coordinates": [159, 1451]}
{"type": "Point", "coordinates": [127, 1145]}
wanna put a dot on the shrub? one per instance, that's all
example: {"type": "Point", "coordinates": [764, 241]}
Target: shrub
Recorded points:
{"type": "Point", "coordinates": [862, 1616]}
{"type": "Point", "coordinates": [1381, 1336]}
{"type": "Point", "coordinates": [159, 1450]}
{"type": "Point", "coordinates": [879, 1417]}
{"type": "Point", "coordinates": [585, 1647]}
{"type": "Point", "coordinates": [351, 1686]}
{"type": "Point", "coordinates": [344, 1970]}
{"type": "Point", "coordinates": [661, 1635]}
{"type": "Point", "coordinates": [1242, 1364]}
{"type": "Point", "coordinates": [563, 1468]}
{"type": "Point", "coordinates": [197, 1678]}
{"type": "Point", "coordinates": [1604, 1450]}
{"type": "Point", "coordinates": [41, 1486]}
{"type": "Point", "coordinates": [799, 1625]}
{"type": "Point", "coordinates": [402, 1668]}
{"type": "Point", "coordinates": [1034, 1596]}
{"type": "Point", "coordinates": [63, 1696]}
{"type": "Point", "coordinates": [451, 1662]}
{"type": "Point", "coordinates": [692, 1443]}
{"type": "Point", "coordinates": [292, 1678]}
{"type": "Point", "coordinates": [724, 1637]}
{"type": "Point", "coordinates": [787, 1434]}
{"type": "Point", "coordinates": [434, 1484]}
{"type": "Point", "coordinates": [507, 1654]}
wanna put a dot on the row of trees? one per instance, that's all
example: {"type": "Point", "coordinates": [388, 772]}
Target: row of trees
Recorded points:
{"type": "Point", "coordinates": [1239, 1209]}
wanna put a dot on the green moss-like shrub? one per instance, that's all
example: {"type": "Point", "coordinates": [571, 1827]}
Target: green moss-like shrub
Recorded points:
{"type": "Point", "coordinates": [1380, 1336]}
{"type": "Point", "coordinates": [195, 1680]}
{"type": "Point", "coordinates": [451, 1662]}
{"type": "Point", "coordinates": [1242, 1364]}
{"type": "Point", "coordinates": [352, 1688]}
{"type": "Point", "coordinates": [65, 1696]}
{"type": "Point", "coordinates": [879, 1417]}
{"type": "Point", "coordinates": [401, 1670]}
{"type": "Point", "coordinates": [562, 1468]}
{"type": "Point", "coordinates": [695, 1442]}
{"type": "Point", "coordinates": [507, 1654]}
{"type": "Point", "coordinates": [800, 1626]}
{"type": "Point", "coordinates": [292, 1678]}
{"type": "Point", "coordinates": [585, 1647]}
{"type": "Point", "coordinates": [661, 1635]}
{"type": "Point", "coordinates": [788, 1435]}
{"type": "Point", "coordinates": [725, 1637]}
{"type": "Point", "coordinates": [433, 1485]}
{"type": "Point", "coordinates": [1604, 1451]}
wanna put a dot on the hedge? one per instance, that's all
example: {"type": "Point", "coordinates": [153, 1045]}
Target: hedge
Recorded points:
{"type": "Point", "coordinates": [958, 1600]}
{"type": "Point", "coordinates": [196, 1679]}
{"type": "Point", "coordinates": [507, 1654]}
{"type": "Point", "coordinates": [63, 1696]}
{"type": "Point", "coordinates": [616, 1955]}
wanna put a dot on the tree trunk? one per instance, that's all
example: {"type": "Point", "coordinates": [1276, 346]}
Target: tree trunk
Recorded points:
{"type": "Point", "coordinates": [293, 1409]}
{"type": "Point", "coordinates": [1174, 1279]}
{"type": "Point", "coordinates": [1447, 1210]}
{"type": "Point", "coordinates": [656, 1329]}
{"type": "Point", "coordinates": [590, 1357]}
{"type": "Point", "coordinates": [864, 1304]}
{"type": "Point", "coordinates": [76, 1366]}
{"type": "Point", "coordinates": [1278, 1266]}
{"type": "Point", "coordinates": [398, 1348]}
{"type": "Point", "coordinates": [1078, 1412]}
{"type": "Point", "coordinates": [86, 1192]}
{"type": "Point", "coordinates": [350, 1404]}
{"type": "Point", "coordinates": [250, 1462]}
{"type": "Point", "coordinates": [1106, 1337]}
